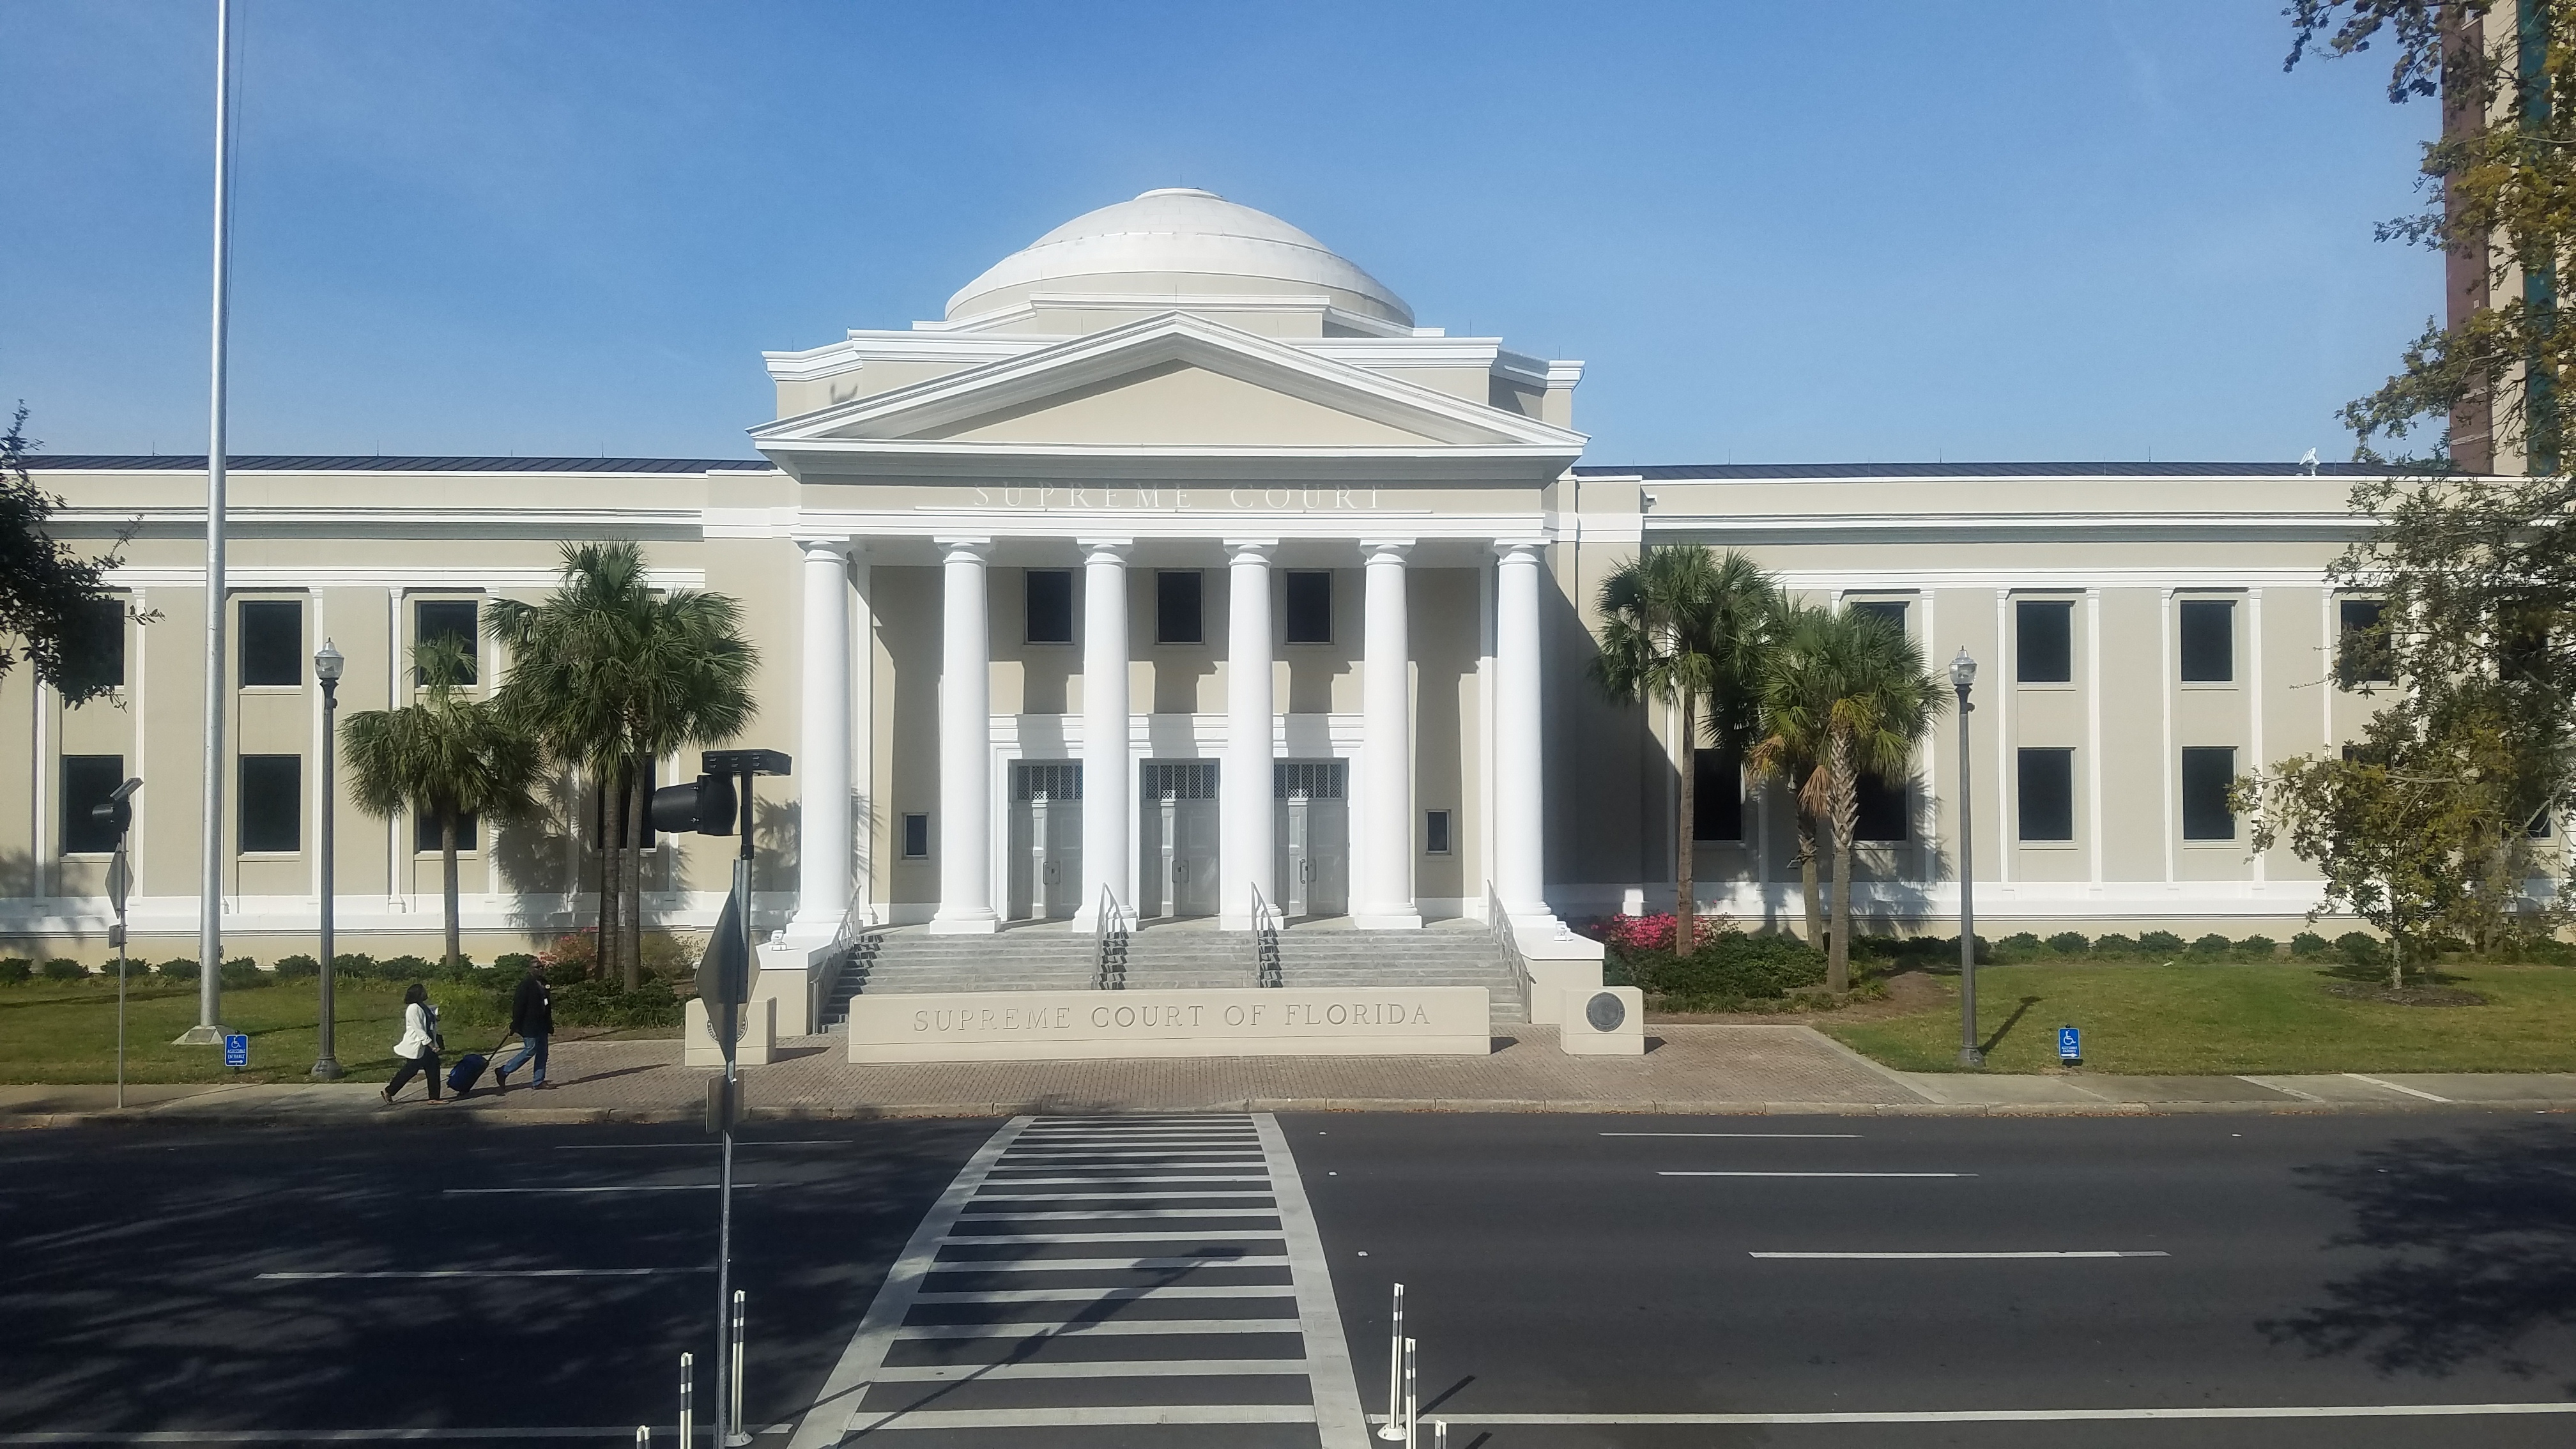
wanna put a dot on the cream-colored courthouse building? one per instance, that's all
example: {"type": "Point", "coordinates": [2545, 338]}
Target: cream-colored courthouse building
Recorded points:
{"type": "Point", "coordinates": [1176, 565]}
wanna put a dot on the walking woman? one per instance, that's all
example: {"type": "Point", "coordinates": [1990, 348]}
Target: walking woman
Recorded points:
{"type": "Point", "coordinates": [419, 1045]}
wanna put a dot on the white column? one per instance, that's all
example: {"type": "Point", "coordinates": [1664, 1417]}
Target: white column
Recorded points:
{"type": "Point", "coordinates": [965, 821]}
{"type": "Point", "coordinates": [1108, 784]}
{"type": "Point", "coordinates": [823, 853]}
{"type": "Point", "coordinates": [1520, 812]}
{"type": "Point", "coordinates": [1244, 817]}
{"type": "Point", "coordinates": [1385, 815]}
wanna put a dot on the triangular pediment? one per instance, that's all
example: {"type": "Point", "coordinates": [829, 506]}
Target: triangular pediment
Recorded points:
{"type": "Point", "coordinates": [1172, 382]}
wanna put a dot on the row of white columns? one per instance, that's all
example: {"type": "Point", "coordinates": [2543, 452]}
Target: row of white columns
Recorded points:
{"type": "Point", "coordinates": [1382, 798]}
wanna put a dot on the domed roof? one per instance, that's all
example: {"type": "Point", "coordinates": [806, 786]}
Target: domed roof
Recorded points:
{"type": "Point", "coordinates": [1177, 241]}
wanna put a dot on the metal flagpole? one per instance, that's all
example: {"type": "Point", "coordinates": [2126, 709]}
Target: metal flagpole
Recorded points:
{"type": "Point", "coordinates": [210, 898]}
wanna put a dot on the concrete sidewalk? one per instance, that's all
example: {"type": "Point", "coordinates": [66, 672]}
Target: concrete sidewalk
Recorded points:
{"type": "Point", "coordinates": [1705, 1069]}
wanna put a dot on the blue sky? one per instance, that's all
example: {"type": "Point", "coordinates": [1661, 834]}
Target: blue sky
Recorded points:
{"type": "Point", "coordinates": [1776, 233]}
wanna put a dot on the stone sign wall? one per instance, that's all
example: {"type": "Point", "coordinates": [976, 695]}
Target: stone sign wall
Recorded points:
{"type": "Point", "coordinates": [1295, 1021]}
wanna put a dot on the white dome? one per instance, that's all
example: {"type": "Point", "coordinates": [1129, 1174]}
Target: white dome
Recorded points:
{"type": "Point", "coordinates": [1178, 241]}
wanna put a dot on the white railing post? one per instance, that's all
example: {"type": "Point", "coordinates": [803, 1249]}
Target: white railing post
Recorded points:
{"type": "Point", "coordinates": [1394, 1430]}
{"type": "Point", "coordinates": [1408, 1394]}
{"type": "Point", "coordinates": [740, 1434]}
{"type": "Point", "coordinates": [688, 1399]}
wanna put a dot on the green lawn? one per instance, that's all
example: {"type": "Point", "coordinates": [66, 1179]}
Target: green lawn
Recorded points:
{"type": "Point", "coordinates": [2232, 1019]}
{"type": "Point", "coordinates": [66, 1032]}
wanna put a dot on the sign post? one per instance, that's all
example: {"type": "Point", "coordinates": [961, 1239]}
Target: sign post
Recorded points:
{"type": "Point", "coordinates": [118, 810]}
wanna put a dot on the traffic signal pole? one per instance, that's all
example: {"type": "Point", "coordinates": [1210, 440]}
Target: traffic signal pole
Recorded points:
{"type": "Point", "coordinates": [728, 1033]}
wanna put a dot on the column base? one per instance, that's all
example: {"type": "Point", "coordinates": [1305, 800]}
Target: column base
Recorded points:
{"type": "Point", "coordinates": [201, 1036]}
{"type": "Point", "coordinates": [1404, 920]}
{"type": "Point", "coordinates": [963, 924]}
{"type": "Point", "coordinates": [807, 932]}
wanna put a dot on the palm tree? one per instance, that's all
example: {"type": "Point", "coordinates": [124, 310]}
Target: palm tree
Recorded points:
{"type": "Point", "coordinates": [1682, 625]}
{"type": "Point", "coordinates": [613, 675]}
{"type": "Point", "coordinates": [445, 757]}
{"type": "Point", "coordinates": [1844, 694]}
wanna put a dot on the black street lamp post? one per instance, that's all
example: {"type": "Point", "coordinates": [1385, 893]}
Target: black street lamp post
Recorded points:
{"type": "Point", "coordinates": [1963, 677]}
{"type": "Point", "coordinates": [327, 664]}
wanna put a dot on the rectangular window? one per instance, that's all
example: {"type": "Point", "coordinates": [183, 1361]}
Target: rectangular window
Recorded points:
{"type": "Point", "coordinates": [2047, 794]}
{"type": "Point", "coordinates": [916, 836]}
{"type": "Point", "coordinates": [1884, 813]}
{"type": "Point", "coordinates": [1310, 606]}
{"type": "Point", "coordinates": [2208, 631]}
{"type": "Point", "coordinates": [2365, 650]}
{"type": "Point", "coordinates": [2044, 641]}
{"type": "Point", "coordinates": [1435, 832]}
{"type": "Point", "coordinates": [2207, 771]}
{"type": "Point", "coordinates": [1892, 610]}
{"type": "Point", "coordinates": [87, 782]}
{"type": "Point", "coordinates": [94, 658]}
{"type": "Point", "coordinates": [456, 619]}
{"type": "Point", "coordinates": [1176, 607]}
{"type": "Point", "coordinates": [272, 803]}
{"type": "Point", "coordinates": [272, 641]}
{"type": "Point", "coordinates": [424, 832]}
{"type": "Point", "coordinates": [1049, 612]}
{"type": "Point", "coordinates": [1717, 795]}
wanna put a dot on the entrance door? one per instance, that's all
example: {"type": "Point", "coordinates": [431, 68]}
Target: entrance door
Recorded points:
{"type": "Point", "coordinates": [1177, 839]}
{"type": "Point", "coordinates": [1313, 837]}
{"type": "Point", "coordinates": [1046, 839]}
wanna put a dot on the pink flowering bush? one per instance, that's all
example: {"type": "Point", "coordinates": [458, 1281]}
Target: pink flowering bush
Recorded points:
{"type": "Point", "coordinates": [1632, 934]}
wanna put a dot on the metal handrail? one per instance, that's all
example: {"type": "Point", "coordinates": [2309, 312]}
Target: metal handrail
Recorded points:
{"type": "Point", "coordinates": [1499, 921]}
{"type": "Point", "coordinates": [1266, 921]}
{"type": "Point", "coordinates": [1109, 945]}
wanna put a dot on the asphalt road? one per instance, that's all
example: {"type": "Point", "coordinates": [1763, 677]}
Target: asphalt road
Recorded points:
{"type": "Point", "coordinates": [1551, 1269]}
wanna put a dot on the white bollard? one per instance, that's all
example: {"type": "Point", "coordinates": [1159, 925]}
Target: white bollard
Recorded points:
{"type": "Point", "coordinates": [740, 1435]}
{"type": "Point", "coordinates": [688, 1400]}
{"type": "Point", "coordinates": [1439, 1434]}
{"type": "Point", "coordinates": [1408, 1394]}
{"type": "Point", "coordinates": [1393, 1432]}
{"type": "Point", "coordinates": [643, 1436]}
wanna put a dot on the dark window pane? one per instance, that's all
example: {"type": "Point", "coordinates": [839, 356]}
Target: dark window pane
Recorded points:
{"type": "Point", "coordinates": [272, 641]}
{"type": "Point", "coordinates": [87, 782]}
{"type": "Point", "coordinates": [272, 802]}
{"type": "Point", "coordinates": [1176, 607]}
{"type": "Point", "coordinates": [1883, 813]}
{"type": "Point", "coordinates": [1310, 607]}
{"type": "Point", "coordinates": [1435, 832]}
{"type": "Point", "coordinates": [2048, 794]}
{"type": "Point", "coordinates": [2207, 771]}
{"type": "Point", "coordinates": [1892, 610]}
{"type": "Point", "coordinates": [424, 832]}
{"type": "Point", "coordinates": [1717, 795]}
{"type": "Point", "coordinates": [94, 657]}
{"type": "Point", "coordinates": [434, 619]}
{"type": "Point", "coordinates": [916, 836]}
{"type": "Point", "coordinates": [2208, 628]}
{"type": "Point", "coordinates": [2044, 641]}
{"type": "Point", "coordinates": [2365, 652]}
{"type": "Point", "coordinates": [1050, 606]}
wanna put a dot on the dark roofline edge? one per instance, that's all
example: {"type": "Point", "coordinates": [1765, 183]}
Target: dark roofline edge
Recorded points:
{"type": "Point", "coordinates": [390, 463]}
{"type": "Point", "coordinates": [1652, 472]}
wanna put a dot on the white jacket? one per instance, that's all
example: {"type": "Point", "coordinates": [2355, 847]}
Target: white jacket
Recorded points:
{"type": "Point", "coordinates": [420, 1024]}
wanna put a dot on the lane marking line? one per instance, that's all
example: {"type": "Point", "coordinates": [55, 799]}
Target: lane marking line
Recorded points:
{"type": "Point", "coordinates": [1119, 1416]}
{"type": "Point", "coordinates": [1108, 1196]}
{"type": "Point", "coordinates": [2392, 1086]}
{"type": "Point", "coordinates": [1085, 1215]}
{"type": "Point", "coordinates": [1099, 1265]}
{"type": "Point", "coordinates": [1340, 1422]}
{"type": "Point", "coordinates": [739, 1143]}
{"type": "Point", "coordinates": [1814, 1174]}
{"type": "Point", "coordinates": [620, 1433]}
{"type": "Point", "coordinates": [1265, 1237]}
{"type": "Point", "coordinates": [1757, 1136]}
{"type": "Point", "coordinates": [999, 1181]}
{"type": "Point", "coordinates": [1120, 1368]}
{"type": "Point", "coordinates": [1926, 1257]}
{"type": "Point", "coordinates": [1114, 1328]}
{"type": "Point", "coordinates": [1115, 1295]}
{"type": "Point", "coordinates": [2275, 1086]}
{"type": "Point", "coordinates": [308, 1277]}
{"type": "Point", "coordinates": [2029, 1416]}
{"type": "Point", "coordinates": [632, 1187]}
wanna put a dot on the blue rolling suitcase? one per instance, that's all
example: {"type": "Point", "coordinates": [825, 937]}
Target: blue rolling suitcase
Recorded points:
{"type": "Point", "coordinates": [467, 1071]}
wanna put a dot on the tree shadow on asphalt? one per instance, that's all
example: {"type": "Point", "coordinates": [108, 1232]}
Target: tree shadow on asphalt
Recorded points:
{"type": "Point", "coordinates": [134, 1301]}
{"type": "Point", "coordinates": [2479, 1238]}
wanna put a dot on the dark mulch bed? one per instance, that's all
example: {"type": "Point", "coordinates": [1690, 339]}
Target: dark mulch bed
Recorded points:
{"type": "Point", "coordinates": [2406, 995]}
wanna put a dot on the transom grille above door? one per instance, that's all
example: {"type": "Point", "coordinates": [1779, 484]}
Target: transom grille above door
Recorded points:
{"type": "Point", "coordinates": [1179, 779]}
{"type": "Point", "coordinates": [1046, 779]}
{"type": "Point", "coordinates": [1314, 779]}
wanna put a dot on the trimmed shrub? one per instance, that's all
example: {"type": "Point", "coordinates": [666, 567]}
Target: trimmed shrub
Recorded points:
{"type": "Point", "coordinates": [2358, 948]}
{"type": "Point", "coordinates": [1730, 969]}
{"type": "Point", "coordinates": [242, 972]}
{"type": "Point", "coordinates": [601, 1003]}
{"type": "Point", "coordinates": [511, 963]}
{"type": "Point", "coordinates": [353, 965]}
{"type": "Point", "coordinates": [2261, 948]}
{"type": "Point", "coordinates": [2069, 943]}
{"type": "Point", "coordinates": [2020, 943]}
{"type": "Point", "coordinates": [2114, 944]}
{"type": "Point", "coordinates": [16, 970]}
{"type": "Point", "coordinates": [2160, 943]}
{"type": "Point", "coordinates": [63, 968]}
{"type": "Point", "coordinates": [297, 968]}
{"type": "Point", "coordinates": [406, 968]}
{"type": "Point", "coordinates": [2309, 943]}
{"type": "Point", "coordinates": [178, 968]}
{"type": "Point", "coordinates": [2212, 944]}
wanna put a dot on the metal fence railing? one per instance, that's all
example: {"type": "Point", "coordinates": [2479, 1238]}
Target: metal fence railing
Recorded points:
{"type": "Point", "coordinates": [1109, 945]}
{"type": "Point", "coordinates": [1266, 921]}
{"type": "Point", "coordinates": [1499, 921]}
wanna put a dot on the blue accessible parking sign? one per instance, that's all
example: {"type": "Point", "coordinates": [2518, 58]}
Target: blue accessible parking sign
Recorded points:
{"type": "Point", "coordinates": [236, 1050]}
{"type": "Point", "coordinates": [2070, 1045]}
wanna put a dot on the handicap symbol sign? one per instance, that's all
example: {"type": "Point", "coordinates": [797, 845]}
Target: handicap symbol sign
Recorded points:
{"type": "Point", "coordinates": [236, 1050]}
{"type": "Point", "coordinates": [2070, 1045]}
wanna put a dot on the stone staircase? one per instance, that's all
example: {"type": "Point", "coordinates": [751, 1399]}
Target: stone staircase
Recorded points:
{"type": "Point", "coordinates": [1162, 958]}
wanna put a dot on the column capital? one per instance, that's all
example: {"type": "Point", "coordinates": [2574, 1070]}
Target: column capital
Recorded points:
{"type": "Point", "coordinates": [1398, 548]}
{"type": "Point", "coordinates": [1115, 549]}
{"type": "Point", "coordinates": [1515, 550]}
{"type": "Point", "coordinates": [1254, 548]}
{"type": "Point", "coordinates": [831, 543]}
{"type": "Point", "coordinates": [974, 548]}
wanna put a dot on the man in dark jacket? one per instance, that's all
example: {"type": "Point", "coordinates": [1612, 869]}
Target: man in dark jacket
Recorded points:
{"type": "Point", "coordinates": [532, 1020]}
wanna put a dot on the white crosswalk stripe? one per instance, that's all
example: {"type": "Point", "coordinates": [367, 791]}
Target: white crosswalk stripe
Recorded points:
{"type": "Point", "coordinates": [993, 1328]}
